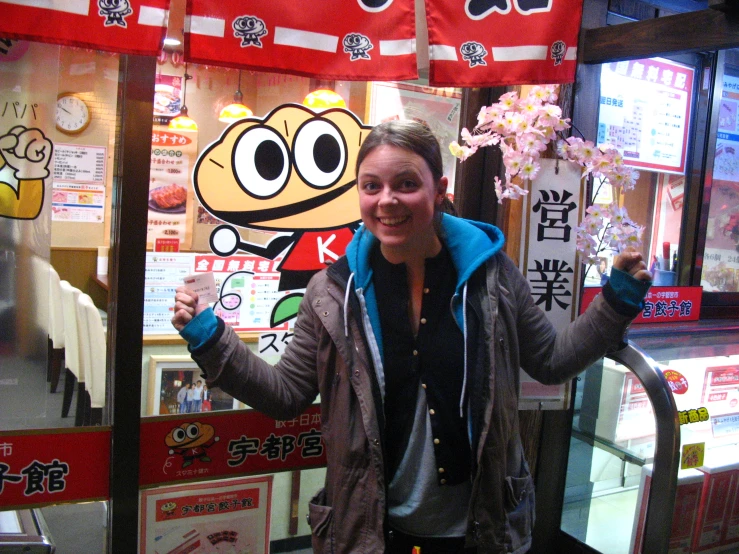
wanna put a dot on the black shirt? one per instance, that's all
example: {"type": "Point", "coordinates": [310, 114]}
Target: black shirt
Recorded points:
{"type": "Point", "coordinates": [433, 359]}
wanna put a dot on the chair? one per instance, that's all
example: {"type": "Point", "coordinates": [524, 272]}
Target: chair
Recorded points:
{"type": "Point", "coordinates": [73, 377]}
{"type": "Point", "coordinates": [92, 359]}
{"type": "Point", "coordinates": [56, 329]}
{"type": "Point", "coordinates": [40, 308]}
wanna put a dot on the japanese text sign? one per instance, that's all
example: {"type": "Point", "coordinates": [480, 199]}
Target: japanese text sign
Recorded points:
{"type": "Point", "coordinates": [128, 27]}
{"type": "Point", "coordinates": [210, 445]}
{"type": "Point", "coordinates": [232, 515]}
{"type": "Point", "coordinates": [549, 261]}
{"type": "Point", "coordinates": [63, 466]}
{"type": "Point", "coordinates": [662, 304]}
{"type": "Point", "coordinates": [359, 40]}
{"type": "Point", "coordinates": [476, 43]}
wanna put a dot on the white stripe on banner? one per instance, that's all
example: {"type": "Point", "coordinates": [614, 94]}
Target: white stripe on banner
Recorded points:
{"type": "Point", "coordinates": [208, 26]}
{"type": "Point", "coordinates": [78, 7]}
{"type": "Point", "coordinates": [520, 53]}
{"type": "Point", "coordinates": [306, 39]}
{"type": "Point", "coordinates": [397, 47]}
{"type": "Point", "coordinates": [154, 17]}
{"type": "Point", "coordinates": [443, 53]}
{"type": "Point", "coordinates": [571, 53]}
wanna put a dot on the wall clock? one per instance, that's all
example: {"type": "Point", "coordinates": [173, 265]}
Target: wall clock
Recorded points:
{"type": "Point", "coordinates": [72, 114]}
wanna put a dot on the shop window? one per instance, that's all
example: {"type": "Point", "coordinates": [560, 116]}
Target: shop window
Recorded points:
{"type": "Point", "coordinates": [720, 271]}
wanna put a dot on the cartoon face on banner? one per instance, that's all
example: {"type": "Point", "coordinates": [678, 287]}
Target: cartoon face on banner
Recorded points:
{"type": "Point", "coordinates": [293, 172]}
{"type": "Point", "coordinates": [25, 154]}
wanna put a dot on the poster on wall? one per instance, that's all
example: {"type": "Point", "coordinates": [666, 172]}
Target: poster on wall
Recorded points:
{"type": "Point", "coordinates": [170, 193]}
{"type": "Point", "coordinates": [167, 98]}
{"type": "Point", "coordinates": [721, 255]}
{"type": "Point", "coordinates": [247, 287]}
{"type": "Point", "coordinates": [438, 108]}
{"type": "Point", "coordinates": [213, 517]}
{"type": "Point", "coordinates": [645, 112]}
{"type": "Point", "coordinates": [78, 202]}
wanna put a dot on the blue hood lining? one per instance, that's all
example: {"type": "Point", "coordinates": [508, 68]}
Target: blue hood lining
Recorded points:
{"type": "Point", "coordinates": [470, 243]}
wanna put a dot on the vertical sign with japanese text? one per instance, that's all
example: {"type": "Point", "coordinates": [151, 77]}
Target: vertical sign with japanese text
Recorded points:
{"type": "Point", "coordinates": [549, 260]}
{"type": "Point", "coordinates": [170, 193]}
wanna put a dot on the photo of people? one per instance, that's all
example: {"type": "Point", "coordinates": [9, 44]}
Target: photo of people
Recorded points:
{"type": "Point", "coordinates": [180, 389]}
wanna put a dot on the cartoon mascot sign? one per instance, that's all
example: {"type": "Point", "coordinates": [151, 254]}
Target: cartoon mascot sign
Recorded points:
{"type": "Point", "coordinates": [291, 172]}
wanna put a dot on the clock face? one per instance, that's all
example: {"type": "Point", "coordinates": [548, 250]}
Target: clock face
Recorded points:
{"type": "Point", "coordinates": [72, 114]}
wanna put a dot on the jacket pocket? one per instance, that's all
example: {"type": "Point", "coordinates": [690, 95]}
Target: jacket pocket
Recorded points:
{"type": "Point", "coordinates": [321, 522]}
{"type": "Point", "coordinates": [519, 503]}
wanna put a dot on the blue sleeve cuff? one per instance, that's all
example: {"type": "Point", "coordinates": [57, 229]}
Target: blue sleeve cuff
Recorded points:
{"type": "Point", "coordinates": [625, 293]}
{"type": "Point", "coordinates": [200, 329]}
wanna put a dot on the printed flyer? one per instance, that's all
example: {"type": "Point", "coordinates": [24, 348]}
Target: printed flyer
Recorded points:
{"type": "Point", "coordinates": [209, 518]}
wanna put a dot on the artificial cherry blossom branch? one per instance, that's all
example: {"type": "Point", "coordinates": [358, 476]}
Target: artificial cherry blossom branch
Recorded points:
{"type": "Point", "coordinates": [523, 128]}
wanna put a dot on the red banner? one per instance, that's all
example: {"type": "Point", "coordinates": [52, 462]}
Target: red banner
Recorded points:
{"type": "Point", "coordinates": [360, 40]}
{"type": "Point", "coordinates": [123, 26]}
{"type": "Point", "coordinates": [54, 467]}
{"type": "Point", "coordinates": [223, 444]}
{"type": "Point", "coordinates": [661, 305]}
{"type": "Point", "coordinates": [481, 43]}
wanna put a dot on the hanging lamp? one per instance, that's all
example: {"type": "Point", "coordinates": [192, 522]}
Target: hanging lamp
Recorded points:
{"type": "Point", "coordinates": [323, 99]}
{"type": "Point", "coordinates": [236, 110]}
{"type": "Point", "coordinates": [184, 122]}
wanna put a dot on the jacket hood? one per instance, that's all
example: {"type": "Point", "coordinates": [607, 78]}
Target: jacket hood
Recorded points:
{"type": "Point", "coordinates": [470, 244]}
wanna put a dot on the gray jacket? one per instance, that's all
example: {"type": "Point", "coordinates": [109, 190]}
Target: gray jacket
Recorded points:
{"type": "Point", "coordinates": [331, 354]}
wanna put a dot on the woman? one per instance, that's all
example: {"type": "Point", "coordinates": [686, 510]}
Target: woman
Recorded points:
{"type": "Point", "coordinates": [418, 402]}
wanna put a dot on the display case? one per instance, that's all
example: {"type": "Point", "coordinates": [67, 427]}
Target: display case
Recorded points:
{"type": "Point", "coordinates": [613, 443]}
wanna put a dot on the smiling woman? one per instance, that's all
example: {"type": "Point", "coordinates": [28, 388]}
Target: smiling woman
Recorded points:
{"type": "Point", "coordinates": [402, 376]}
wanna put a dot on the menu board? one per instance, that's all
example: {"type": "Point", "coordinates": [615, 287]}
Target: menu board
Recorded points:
{"type": "Point", "coordinates": [645, 112]}
{"type": "Point", "coordinates": [247, 286]}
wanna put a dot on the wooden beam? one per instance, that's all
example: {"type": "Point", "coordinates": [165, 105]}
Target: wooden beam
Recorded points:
{"type": "Point", "coordinates": [686, 32]}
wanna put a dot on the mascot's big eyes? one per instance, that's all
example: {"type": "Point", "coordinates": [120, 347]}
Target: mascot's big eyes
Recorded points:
{"type": "Point", "coordinates": [193, 431]}
{"type": "Point", "coordinates": [261, 162]}
{"type": "Point", "coordinates": [320, 153]}
{"type": "Point", "coordinates": [178, 435]}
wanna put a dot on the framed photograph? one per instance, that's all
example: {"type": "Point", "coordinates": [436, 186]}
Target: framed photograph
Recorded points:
{"type": "Point", "coordinates": [217, 516]}
{"type": "Point", "coordinates": [176, 386]}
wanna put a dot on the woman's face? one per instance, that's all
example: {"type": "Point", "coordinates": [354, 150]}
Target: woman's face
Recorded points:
{"type": "Point", "coordinates": [397, 199]}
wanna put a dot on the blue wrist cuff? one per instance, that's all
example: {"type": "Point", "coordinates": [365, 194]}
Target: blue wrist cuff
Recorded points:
{"type": "Point", "coordinates": [629, 291]}
{"type": "Point", "coordinates": [201, 328]}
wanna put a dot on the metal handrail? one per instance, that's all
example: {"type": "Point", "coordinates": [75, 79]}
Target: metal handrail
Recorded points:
{"type": "Point", "coordinates": [661, 503]}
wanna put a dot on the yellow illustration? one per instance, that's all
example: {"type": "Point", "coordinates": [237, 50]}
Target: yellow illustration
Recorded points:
{"type": "Point", "coordinates": [293, 172]}
{"type": "Point", "coordinates": [24, 159]}
{"type": "Point", "coordinates": [693, 455]}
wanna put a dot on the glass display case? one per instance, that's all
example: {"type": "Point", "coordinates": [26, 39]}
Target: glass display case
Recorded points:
{"type": "Point", "coordinates": [612, 447]}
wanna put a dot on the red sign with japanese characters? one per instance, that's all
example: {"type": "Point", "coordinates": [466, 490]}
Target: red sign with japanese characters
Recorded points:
{"type": "Point", "coordinates": [477, 43]}
{"type": "Point", "coordinates": [127, 27]}
{"type": "Point", "coordinates": [51, 468]}
{"type": "Point", "coordinates": [358, 40]}
{"type": "Point", "coordinates": [216, 444]}
{"type": "Point", "coordinates": [661, 305]}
